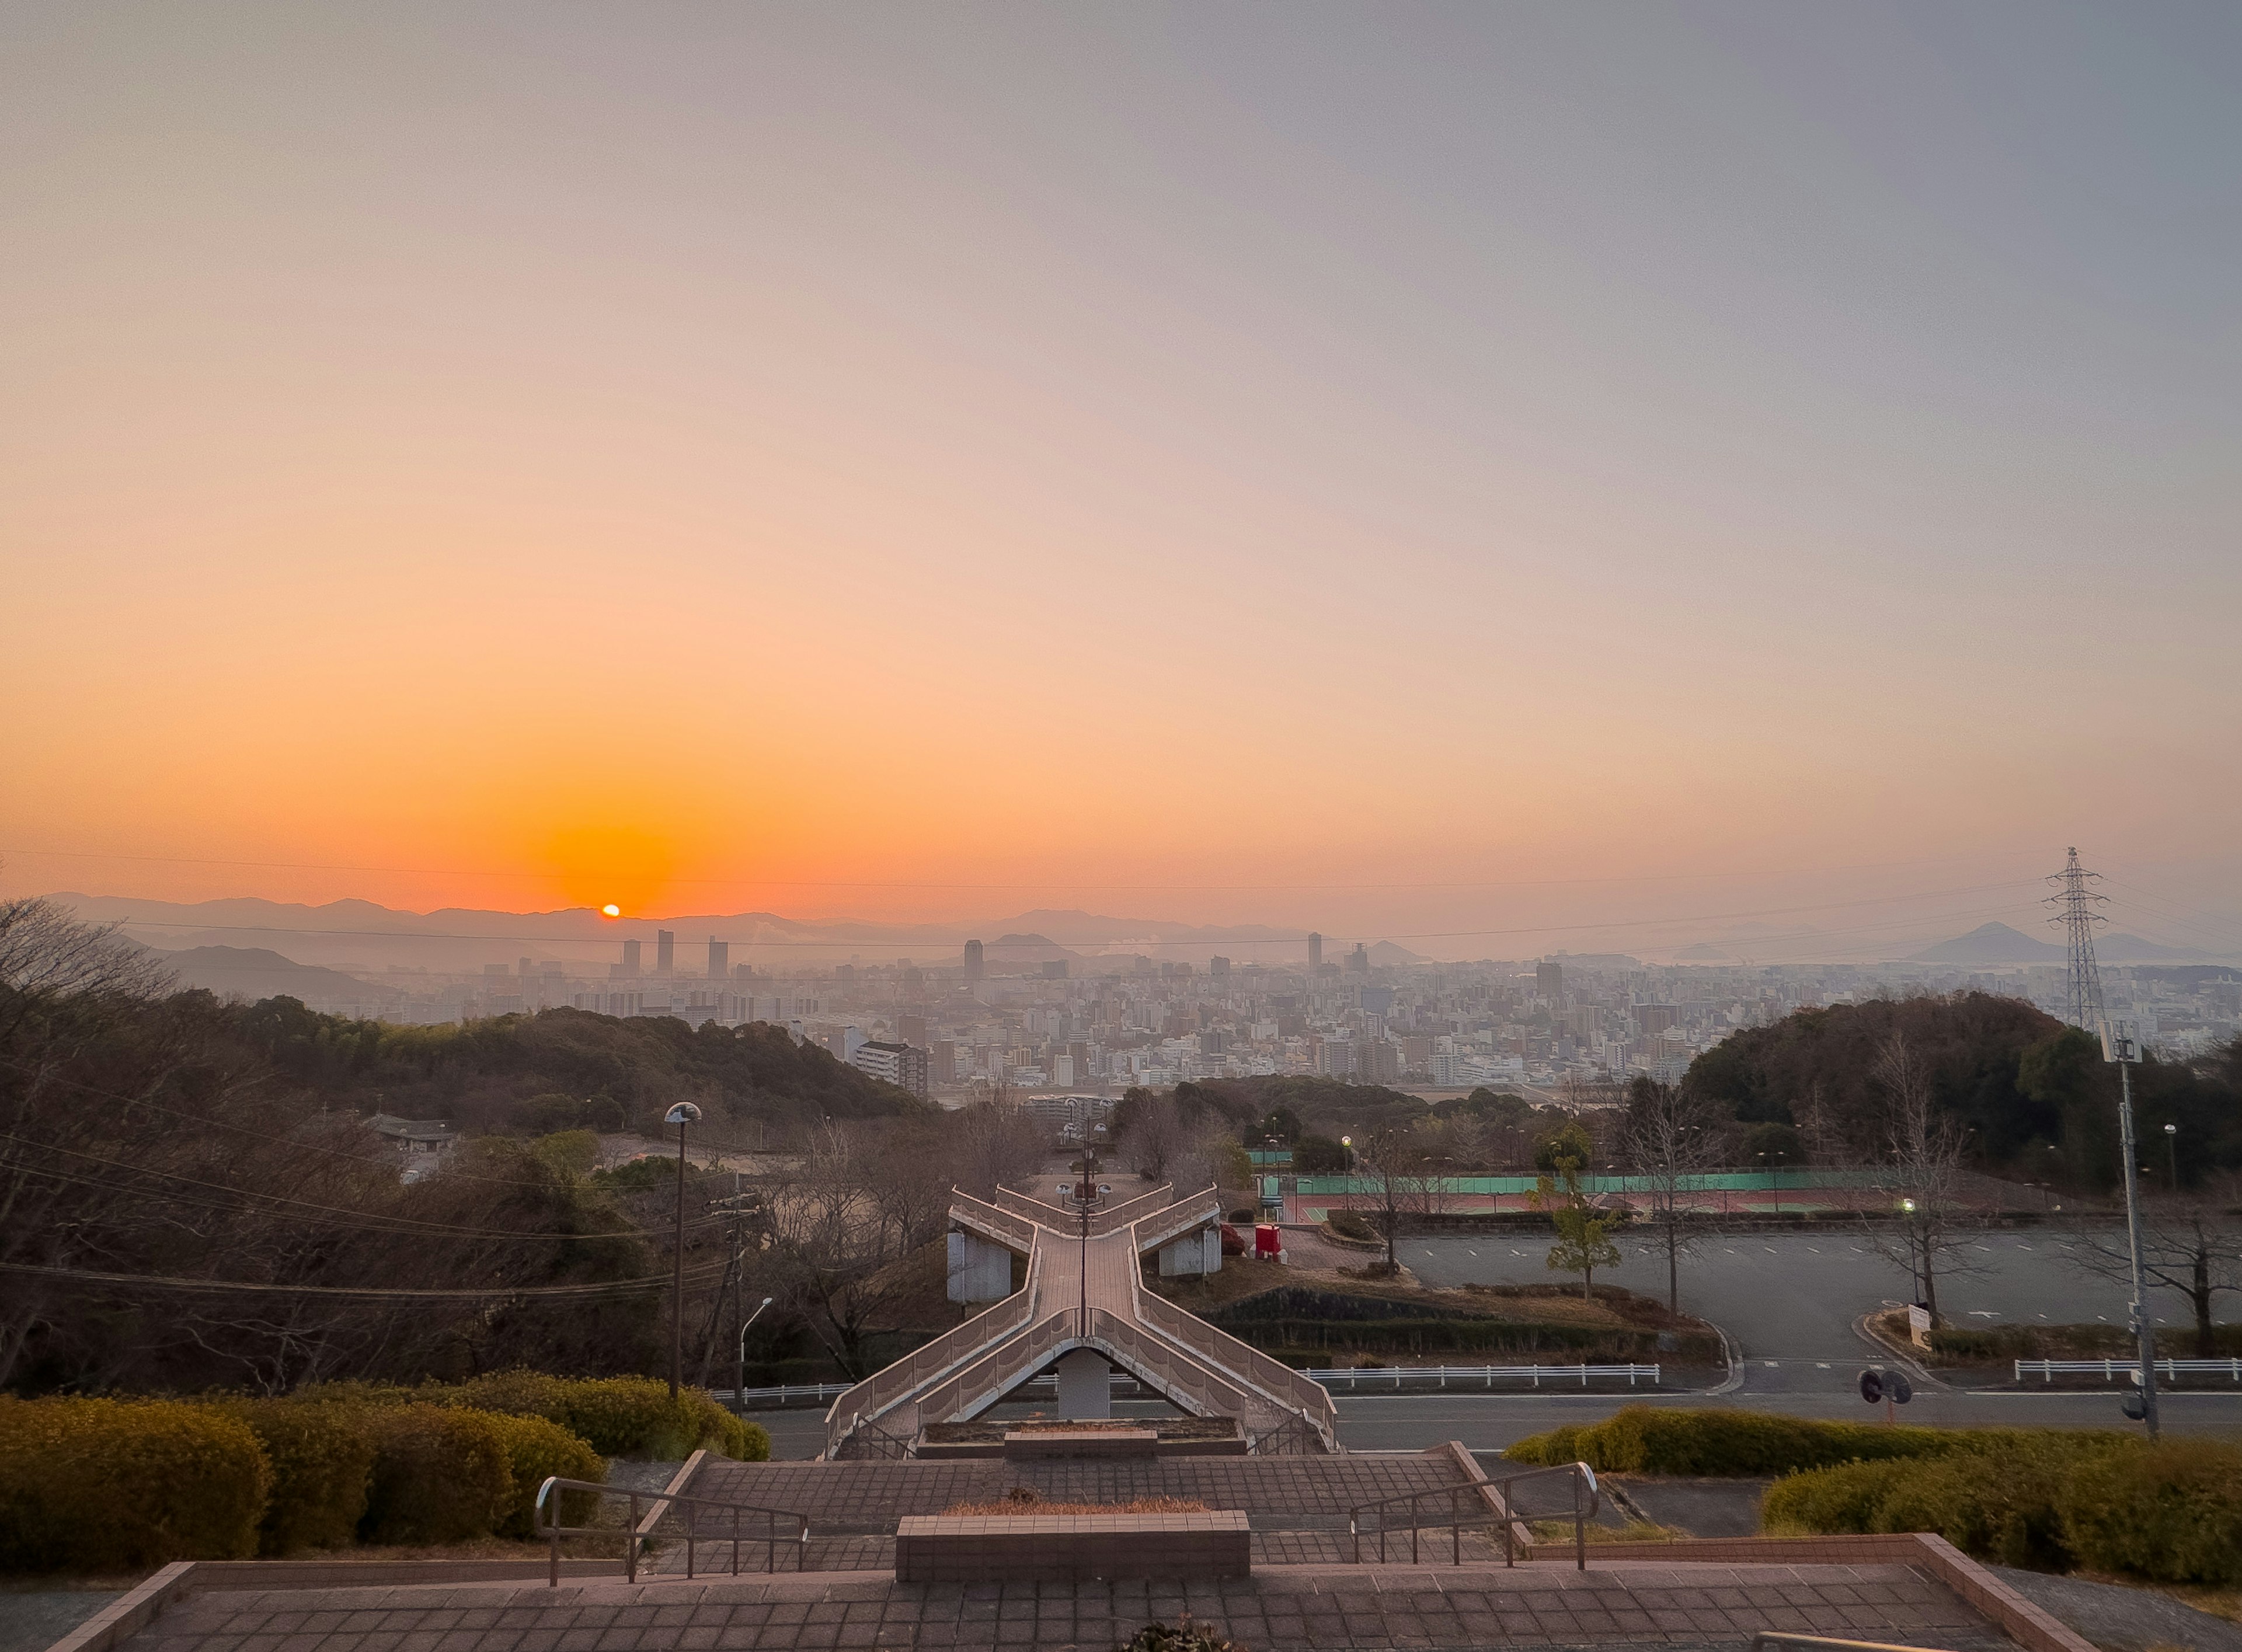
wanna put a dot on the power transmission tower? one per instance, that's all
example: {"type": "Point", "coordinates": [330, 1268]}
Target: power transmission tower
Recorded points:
{"type": "Point", "coordinates": [2074, 903]}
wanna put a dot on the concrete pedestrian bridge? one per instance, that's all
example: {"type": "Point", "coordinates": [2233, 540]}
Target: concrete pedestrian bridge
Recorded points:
{"type": "Point", "coordinates": [1085, 1311]}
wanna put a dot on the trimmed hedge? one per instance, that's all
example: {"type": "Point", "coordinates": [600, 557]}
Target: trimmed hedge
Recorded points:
{"type": "Point", "coordinates": [617, 1416]}
{"type": "Point", "coordinates": [322, 1459]}
{"type": "Point", "coordinates": [1645, 1439]}
{"type": "Point", "coordinates": [441, 1474]}
{"type": "Point", "coordinates": [110, 1485]}
{"type": "Point", "coordinates": [1998, 1496]}
{"type": "Point", "coordinates": [535, 1450]}
{"type": "Point", "coordinates": [2171, 1512]}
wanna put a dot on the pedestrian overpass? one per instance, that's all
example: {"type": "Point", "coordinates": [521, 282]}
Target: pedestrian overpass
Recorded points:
{"type": "Point", "coordinates": [1083, 1310]}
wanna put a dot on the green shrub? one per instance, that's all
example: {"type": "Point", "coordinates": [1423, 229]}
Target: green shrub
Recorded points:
{"type": "Point", "coordinates": [2000, 1504]}
{"type": "Point", "coordinates": [536, 1449]}
{"type": "Point", "coordinates": [1845, 1498]}
{"type": "Point", "coordinates": [2171, 1512]}
{"type": "Point", "coordinates": [322, 1458]}
{"type": "Point", "coordinates": [441, 1474]}
{"type": "Point", "coordinates": [1645, 1440]}
{"type": "Point", "coordinates": [1348, 1225]}
{"type": "Point", "coordinates": [618, 1416]}
{"type": "Point", "coordinates": [109, 1486]}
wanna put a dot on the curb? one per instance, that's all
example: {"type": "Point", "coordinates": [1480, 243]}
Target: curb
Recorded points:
{"type": "Point", "coordinates": [1893, 1350]}
{"type": "Point", "coordinates": [122, 1618]}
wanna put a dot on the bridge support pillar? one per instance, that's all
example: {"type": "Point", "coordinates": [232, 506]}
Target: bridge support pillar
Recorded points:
{"type": "Point", "coordinates": [1194, 1253]}
{"type": "Point", "coordinates": [1085, 1385]}
{"type": "Point", "coordinates": [979, 1272]}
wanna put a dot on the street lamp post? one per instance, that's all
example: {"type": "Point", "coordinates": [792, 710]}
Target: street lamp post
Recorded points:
{"type": "Point", "coordinates": [2172, 1156]}
{"type": "Point", "coordinates": [740, 1362]}
{"type": "Point", "coordinates": [682, 1114]}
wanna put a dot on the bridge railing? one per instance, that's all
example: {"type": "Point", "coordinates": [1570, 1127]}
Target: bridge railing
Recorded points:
{"type": "Point", "coordinates": [891, 1384]}
{"type": "Point", "coordinates": [1015, 1230]}
{"type": "Point", "coordinates": [1157, 1227]}
{"type": "Point", "coordinates": [1287, 1387]}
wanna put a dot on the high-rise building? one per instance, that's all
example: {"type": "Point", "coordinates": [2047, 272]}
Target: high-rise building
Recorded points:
{"type": "Point", "coordinates": [973, 965]}
{"type": "Point", "coordinates": [1357, 961]}
{"type": "Point", "coordinates": [628, 969]}
{"type": "Point", "coordinates": [911, 1029]}
{"type": "Point", "coordinates": [720, 959]}
{"type": "Point", "coordinates": [1548, 980]}
{"type": "Point", "coordinates": [1315, 951]}
{"type": "Point", "coordinates": [944, 1061]}
{"type": "Point", "coordinates": [1219, 967]}
{"type": "Point", "coordinates": [664, 952]}
{"type": "Point", "coordinates": [525, 968]}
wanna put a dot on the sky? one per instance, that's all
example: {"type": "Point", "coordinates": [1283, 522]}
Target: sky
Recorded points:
{"type": "Point", "coordinates": [1382, 467]}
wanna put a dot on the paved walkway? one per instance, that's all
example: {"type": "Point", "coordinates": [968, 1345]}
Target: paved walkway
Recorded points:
{"type": "Point", "coordinates": [1281, 1609]}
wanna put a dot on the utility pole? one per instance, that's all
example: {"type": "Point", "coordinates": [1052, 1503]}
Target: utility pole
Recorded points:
{"type": "Point", "coordinates": [2121, 1043]}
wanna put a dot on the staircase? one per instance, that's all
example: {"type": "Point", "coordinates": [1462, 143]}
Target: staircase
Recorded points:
{"type": "Point", "coordinates": [1082, 1293]}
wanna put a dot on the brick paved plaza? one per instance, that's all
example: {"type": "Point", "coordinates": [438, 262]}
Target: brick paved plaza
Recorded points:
{"type": "Point", "coordinates": [1543, 1604]}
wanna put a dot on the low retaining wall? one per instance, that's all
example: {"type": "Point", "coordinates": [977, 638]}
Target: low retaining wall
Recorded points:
{"type": "Point", "coordinates": [976, 1548]}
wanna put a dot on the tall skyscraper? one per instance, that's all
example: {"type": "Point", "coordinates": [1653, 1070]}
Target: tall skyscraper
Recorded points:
{"type": "Point", "coordinates": [1549, 980]}
{"type": "Point", "coordinates": [1219, 967]}
{"type": "Point", "coordinates": [974, 966]}
{"type": "Point", "coordinates": [720, 959]}
{"type": "Point", "coordinates": [631, 957]}
{"type": "Point", "coordinates": [664, 952]}
{"type": "Point", "coordinates": [1315, 951]}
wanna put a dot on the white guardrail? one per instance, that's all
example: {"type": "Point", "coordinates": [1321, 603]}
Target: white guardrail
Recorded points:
{"type": "Point", "coordinates": [1465, 1376]}
{"type": "Point", "coordinates": [1372, 1379]}
{"type": "Point", "coordinates": [2109, 1370]}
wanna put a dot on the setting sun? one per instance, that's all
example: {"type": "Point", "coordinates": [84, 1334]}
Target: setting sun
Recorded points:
{"type": "Point", "coordinates": [612, 910]}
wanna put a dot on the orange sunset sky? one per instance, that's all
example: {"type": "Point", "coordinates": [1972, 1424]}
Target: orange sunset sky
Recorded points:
{"type": "Point", "coordinates": [1391, 468]}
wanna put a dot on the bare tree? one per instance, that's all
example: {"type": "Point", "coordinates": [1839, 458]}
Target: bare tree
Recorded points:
{"type": "Point", "coordinates": [1921, 1169]}
{"type": "Point", "coordinates": [1155, 1138]}
{"type": "Point", "coordinates": [2187, 1246]}
{"type": "Point", "coordinates": [1670, 1140]}
{"type": "Point", "coordinates": [1391, 1160]}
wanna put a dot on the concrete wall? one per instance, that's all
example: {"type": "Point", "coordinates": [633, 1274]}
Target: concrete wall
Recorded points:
{"type": "Point", "coordinates": [975, 1549]}
{"type": "Point", "coordinates": [979, 1272]}
{"type": "Point", "coordinates": [1192, 1254]}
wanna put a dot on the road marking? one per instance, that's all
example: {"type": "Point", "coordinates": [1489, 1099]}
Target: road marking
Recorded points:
{"type": "Point", "coordinates": [1518, 1253]}
{"type": "Point", "coordinates": [2023, 1247]}
{"type": "Point", "coordinates": [1771, 1362]}
{"type": "Point", "coordinates": [1816, 1249]}
{"type": "Point", "coordinates": [1770, 1250]}
{"type": "Point", "coordinates": [1986, 1248]}
{"type": "Point", "coordinates": [1983, 1314]}
{"type": "Point", "coordinates": [1821, 1365]}
{"type": "Point", "coordinates": [1731, 1253]}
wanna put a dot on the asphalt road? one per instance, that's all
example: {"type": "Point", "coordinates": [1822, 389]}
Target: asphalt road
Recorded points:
{"type": "Point", "coordinates": [1793, 1298]}
{"type": "Point", "coordinates": [1789, 1301]}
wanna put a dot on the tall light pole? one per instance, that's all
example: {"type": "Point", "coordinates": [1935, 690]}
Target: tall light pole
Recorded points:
{"type": "Point", "coordinates": [740, 1363]}
{"type": "Point", "coordinates": [2121, 1043]}
{"type": "Point", "coordinates": [2171, 1155]}
{"type": "Point", "coordinates": [682, 1114]}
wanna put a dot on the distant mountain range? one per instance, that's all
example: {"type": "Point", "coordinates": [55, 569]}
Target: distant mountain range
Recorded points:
{"type": "Point", "coordinates": [366, 938]}
{"type": "Point", "coordinates": [1998, 944]}
{"type": "Point", "coordinates": [257, 972]}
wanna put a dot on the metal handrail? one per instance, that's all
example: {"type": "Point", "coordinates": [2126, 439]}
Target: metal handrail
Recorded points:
{"type": "Point", "coordinates": [1017, 1229]}
{"type": "Point", "coordinates": [1783, 1637]}
{"type": "Point", "coordinates": [1355, 1376]}
{"type": "Point", "coordinates": [1583, 1477]}
{"type": "Point", "coordinates": [641, 1529]}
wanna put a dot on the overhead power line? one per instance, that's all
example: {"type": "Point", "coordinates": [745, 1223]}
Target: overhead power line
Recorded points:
{"type": "Point", "coordinates": [752, 882]}
{"type": "Point", "coordinates": [645, 1282]}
